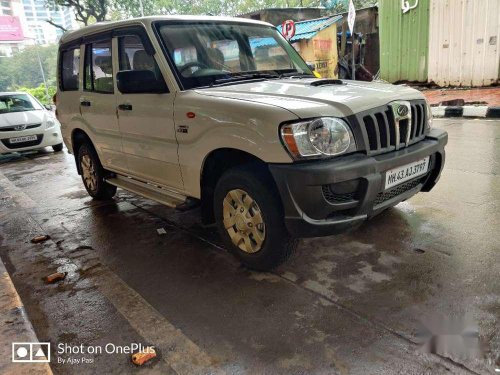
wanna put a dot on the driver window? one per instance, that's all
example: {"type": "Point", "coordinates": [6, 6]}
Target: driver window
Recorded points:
{"type": "Point", "coordinates": [133, 56]}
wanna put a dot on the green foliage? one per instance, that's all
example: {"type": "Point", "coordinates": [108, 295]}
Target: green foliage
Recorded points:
{"type": "Point", "coordinates": [23, 69]}
{"type": "Point", "coordinates": [86, 11]}
{"type": "Point", "coordinates": [121, 9]}
{"type": "Point", "coordinates": [39, 93]}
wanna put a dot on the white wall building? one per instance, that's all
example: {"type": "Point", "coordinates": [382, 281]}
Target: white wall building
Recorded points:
{"type": "Point", "coordinates": [8, 10]}
{"type": "Point", "coordinates": [37, 13]}
{"type": "Point", "coordinates": [32, 16]}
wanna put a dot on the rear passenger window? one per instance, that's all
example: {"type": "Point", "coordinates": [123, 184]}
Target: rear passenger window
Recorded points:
{"type": "Point", "coordinates": [99, 68]}
{"type": "Point", "coordinates": [133, 56]}
{"type": "Point", "coordinates": [70, 67]}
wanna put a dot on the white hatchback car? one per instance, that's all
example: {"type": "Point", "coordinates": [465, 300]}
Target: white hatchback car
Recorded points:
{"type": "Point", "coordinates": [25, 124]}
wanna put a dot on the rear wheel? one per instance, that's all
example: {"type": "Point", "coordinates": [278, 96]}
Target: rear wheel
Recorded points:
{"type": "Point", "coordinates": [250, 218]}
{"type": "Point", "coordinates": [58, 147]}
{"type": "Point", "coordinates": [93, 174]}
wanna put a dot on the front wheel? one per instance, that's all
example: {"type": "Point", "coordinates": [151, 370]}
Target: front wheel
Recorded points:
{"type": "Point", "coordinates": [93, 174]}
{"type": "Point", "coordinates": [250, 218]}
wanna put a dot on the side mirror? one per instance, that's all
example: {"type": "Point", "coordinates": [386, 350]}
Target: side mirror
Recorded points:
{"type": "Point", "coordinates": [139, 82]}
{"type": "Point", "coordinates": [48, 107]}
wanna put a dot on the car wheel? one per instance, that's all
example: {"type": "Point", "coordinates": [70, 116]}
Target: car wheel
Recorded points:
{"type": "Point", "coordinates": [249, 218]}
{"type": "Point", "coordinates": [93, 174]}
{"type": "Point", "coordinates": [58, 147]}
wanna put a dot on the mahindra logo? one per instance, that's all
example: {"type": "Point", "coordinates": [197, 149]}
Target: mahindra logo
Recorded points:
{"type": "Point", "coordinates": [19, 127]}
{"type": "Point", "coordinates": [402, 110]}
{"type": "Point", "coordinates": [402, 115]}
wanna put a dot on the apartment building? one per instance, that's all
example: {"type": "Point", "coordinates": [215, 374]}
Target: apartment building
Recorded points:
{"type": "Point", "coordinates": [24, 22]}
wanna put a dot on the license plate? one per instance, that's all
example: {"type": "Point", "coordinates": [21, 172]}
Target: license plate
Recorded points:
{"type": "Point", "coordinates": [26, 138]}
{"type": "Point", "coordinates": [406, 172]}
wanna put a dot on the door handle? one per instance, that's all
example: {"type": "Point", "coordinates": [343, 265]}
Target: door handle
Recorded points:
{"type": "Point", "coordinates": [85, 103]}
{"type": "Point", "coordinates": [125, 107]}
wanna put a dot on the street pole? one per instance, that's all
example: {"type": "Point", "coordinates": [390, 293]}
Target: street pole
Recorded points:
{"type": "Point", "coordinates": [142, 8]}
{"type": "Point", "coordinates": [41, 67]}
{"type": "Point", "coordinates": [353, 58]}
{"type": "Point", "coordinates": [41, 70]}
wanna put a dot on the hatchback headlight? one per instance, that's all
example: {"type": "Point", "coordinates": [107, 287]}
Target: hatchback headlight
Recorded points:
{"type": "Point", "coordinates": [321, 137]}
{"type": "Point", "coordinates": [50, 123]}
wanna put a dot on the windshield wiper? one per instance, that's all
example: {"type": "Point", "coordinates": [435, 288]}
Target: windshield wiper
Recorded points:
{"type": "Point", "coordinates": [245, 77]}
{"type": "Point", "coordinates": [297, 75]}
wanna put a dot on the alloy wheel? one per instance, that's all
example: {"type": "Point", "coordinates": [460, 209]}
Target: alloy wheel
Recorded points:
{"type": "Point", "coordinates": [89, 172]}
{"type": "Point", "coordinates": [243, 221]}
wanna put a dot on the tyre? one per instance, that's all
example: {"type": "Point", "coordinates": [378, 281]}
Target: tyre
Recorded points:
{"type": "Point", "coordinates": [249, 217]}
{"type": "Point", "coordinates": [58, 147]}
{"type": "Point", "coordinates": [93, 174]}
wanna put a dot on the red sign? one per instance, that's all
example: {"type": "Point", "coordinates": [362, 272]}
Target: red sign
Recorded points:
{"type": "Point", "coordinates": [10, 29]}
{"type": "Point", "coordinates": [288, 29]}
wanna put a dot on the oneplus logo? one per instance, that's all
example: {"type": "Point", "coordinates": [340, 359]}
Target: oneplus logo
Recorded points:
{"type": "Point", "coordinates": [31, 352]}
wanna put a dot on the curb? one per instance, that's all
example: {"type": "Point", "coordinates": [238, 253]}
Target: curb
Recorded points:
{"type": "Point", "coordinates": [15, 327]}
{"type": "Point", "coordinates": [469, 111]}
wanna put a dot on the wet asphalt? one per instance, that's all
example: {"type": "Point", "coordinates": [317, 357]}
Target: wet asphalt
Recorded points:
{"type": "Point", "coordinates": [347, 304]}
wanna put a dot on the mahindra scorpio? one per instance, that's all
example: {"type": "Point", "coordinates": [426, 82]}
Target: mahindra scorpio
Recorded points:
{"type": "Point", "coordinates": [224, 113]}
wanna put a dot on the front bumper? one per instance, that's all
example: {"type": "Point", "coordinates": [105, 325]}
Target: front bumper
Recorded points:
{"type": "Point", "coordinates": [332, 196]}
{"type": "Point", "coordinates": [45, 138]}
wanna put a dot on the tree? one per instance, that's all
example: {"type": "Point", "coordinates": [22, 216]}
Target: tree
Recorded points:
{"type": "Point", "coordinates": [86, 11]}
{"type": "Point", "coordinates": [23, 69]}
{"type": "Point", "coordinates": [39, 92]}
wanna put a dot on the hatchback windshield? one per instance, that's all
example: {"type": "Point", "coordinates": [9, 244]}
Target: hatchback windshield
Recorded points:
{"type": "Point", "coordinates": [18, 103]}
{"type": "Point", "coordinates": [206, 54]}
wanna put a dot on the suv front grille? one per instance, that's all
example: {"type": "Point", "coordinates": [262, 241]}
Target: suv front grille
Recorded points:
{"type": "Point", "coordinates": [332, 197]}
{"type": "Point", "coordinates": [398, 190]}
{"type": "Point", "coordinates": [379, 128]}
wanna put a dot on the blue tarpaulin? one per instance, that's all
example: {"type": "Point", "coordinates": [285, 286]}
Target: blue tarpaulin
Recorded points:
{"type": "Point", "coordinates": [308, 29]}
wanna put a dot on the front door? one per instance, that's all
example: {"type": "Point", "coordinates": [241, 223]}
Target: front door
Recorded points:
{"type": "Point", "coordinates": [98, 104]}
{"type": "Point", "coordinates": [146, 121]}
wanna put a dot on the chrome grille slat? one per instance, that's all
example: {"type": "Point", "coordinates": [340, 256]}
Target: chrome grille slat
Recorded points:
{"type": "Point", "coordinates": [379, 128]}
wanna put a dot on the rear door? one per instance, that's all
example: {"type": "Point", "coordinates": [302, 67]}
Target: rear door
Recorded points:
{"type": "Point", "coordinates": [98, 103]}
{"type": "Point", "coordinates": [146, 119]}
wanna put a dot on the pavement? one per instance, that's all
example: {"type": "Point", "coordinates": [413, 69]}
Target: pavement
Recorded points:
{"type": "Point", "coordinates": [488, 96]}
{"type": "Point", "coordinates": [347, 304]}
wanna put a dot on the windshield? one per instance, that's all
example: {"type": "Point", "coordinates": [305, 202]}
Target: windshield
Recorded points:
{"type": "Point", "coordinates": [18, 103]}
{"type": "Point", "coordinates": [211, 53]}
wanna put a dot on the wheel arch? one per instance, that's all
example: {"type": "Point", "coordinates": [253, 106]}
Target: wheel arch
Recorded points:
{"type": "Point", "coordinates": [214, 165]}
{"type": "Point", "coordinates": [78, 137]}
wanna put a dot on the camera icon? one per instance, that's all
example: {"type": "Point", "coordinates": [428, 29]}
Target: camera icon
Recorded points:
{"type": "Point", "coordinates": [31, 352]}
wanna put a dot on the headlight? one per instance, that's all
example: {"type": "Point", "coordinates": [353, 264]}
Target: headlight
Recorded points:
{"type": "Point", "coordinates": [429, 116]}
{"type": "Point", "coordinates": [50, 123]}
{"type": "Point", "coordinates": [322, 137]}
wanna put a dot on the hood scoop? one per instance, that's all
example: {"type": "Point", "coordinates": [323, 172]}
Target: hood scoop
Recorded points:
{"type": "Point", "coordinates": [324, 82]}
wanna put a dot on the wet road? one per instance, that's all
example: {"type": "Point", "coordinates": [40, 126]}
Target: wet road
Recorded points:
{"type": "Point", "coordinates": [346, 304]}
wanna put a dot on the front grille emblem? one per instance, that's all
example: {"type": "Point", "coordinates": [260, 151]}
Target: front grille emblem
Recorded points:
{"type": "Point", "coordinates": [19, 127]}
{"type": "Point", "coordinates": [401, 110]}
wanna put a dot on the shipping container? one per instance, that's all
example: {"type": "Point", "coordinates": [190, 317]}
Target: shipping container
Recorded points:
{"type": "Point", "coordinates": [404, 40]}
{"type": "Point", "coordinates": [463, 42]}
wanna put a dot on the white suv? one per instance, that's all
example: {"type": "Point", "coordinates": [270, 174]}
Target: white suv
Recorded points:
{"type": "Point", "coordinates": [224, 113]}
{"type": "Point", "coordinates": [25, 124]}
